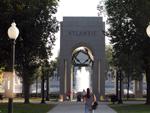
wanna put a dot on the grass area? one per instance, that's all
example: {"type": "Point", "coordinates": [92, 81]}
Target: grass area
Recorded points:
{"type": "Point", "coordinates": [33, 99]}
{"type": "Point", "coordinates": [134, 99]}
{"type": "Point", "coordinates": [126, 108]}
{"type": "Point", "coordinates": [27, 108]}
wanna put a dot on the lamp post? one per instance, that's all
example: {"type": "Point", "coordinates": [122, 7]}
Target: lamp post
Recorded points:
{"type": "Point", "coordinates": [13, 33]}
{"type": "Point", "coordinates": [148, 30]}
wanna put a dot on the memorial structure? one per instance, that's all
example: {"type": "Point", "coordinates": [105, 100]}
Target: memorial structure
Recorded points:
{"type": "Point", "coordinates": [82, 49]}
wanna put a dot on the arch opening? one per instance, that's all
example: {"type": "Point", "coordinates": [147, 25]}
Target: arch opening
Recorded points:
{"type": "Point", "coordinates": [82, 69]}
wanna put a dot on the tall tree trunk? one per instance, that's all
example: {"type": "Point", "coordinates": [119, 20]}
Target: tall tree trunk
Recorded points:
{"type": "Point", "coordinates": [42, 90]}
{"type": "Point", "coordinates": [26, 88]}
{"type": "Point", "coordinates": [128, 88]}
{"type": "Point", "coordinates": [117, 84]}
{"type": "Point", "coordinates": [148, 85]}
{"type": "Point", "coordinates": [121, 88]}
{"type": "Point", "coordinates": [37, 87]}
{"type": "Point", "coordinates": [128, 77]}
{"type": "Point", "coordinates": [47, 87]}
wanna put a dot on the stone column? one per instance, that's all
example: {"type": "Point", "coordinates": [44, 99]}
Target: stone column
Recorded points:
{"type": "Point", "coordinates": [63, 77]}
{"type": "Point", "coordinates": [69, 78]}
{"type": "Point", "coordinates": [101, 79]}
{"type": "Point", "coordinates": [100, 83]}
{"type": "Point", "coordinates": [98, 75]}
{"type": "Point", "coordinates": [95, 79]}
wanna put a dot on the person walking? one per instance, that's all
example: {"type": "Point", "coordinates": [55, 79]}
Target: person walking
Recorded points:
{"type": "Point", "coordinates": [89, 100]}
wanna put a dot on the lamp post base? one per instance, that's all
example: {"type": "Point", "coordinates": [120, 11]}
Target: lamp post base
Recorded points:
{"type": "Point", "coordinates": [10, 105]}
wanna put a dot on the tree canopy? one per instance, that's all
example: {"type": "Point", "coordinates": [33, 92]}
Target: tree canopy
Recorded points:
{"type": "Point", "coordinates": [128, 20]}
{"type": "Point", "coordinates": [37, 25]}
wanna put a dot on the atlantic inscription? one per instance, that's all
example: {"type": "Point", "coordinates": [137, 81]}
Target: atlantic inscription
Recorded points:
{"type": "Point", "coordinates": [81, 33]}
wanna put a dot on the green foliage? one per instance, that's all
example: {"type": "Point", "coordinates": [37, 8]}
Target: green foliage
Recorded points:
{"type": "Point", "coordinates": [45, 67]}
{"type": "Point", "coordinates": [53, 66]}
{"type": "Point", "coordinates": [127, 32]}
{"type": "Point", "coordinates": [37, 26]}
{"type": "Point", "coordinates": [128, 20]}
{"type": "Point", "coordinates": [48, 68]}
{"type": "Point", "coordinates": [109, 58]}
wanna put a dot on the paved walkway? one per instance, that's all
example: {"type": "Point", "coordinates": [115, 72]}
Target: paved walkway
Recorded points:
{"type": "Point", "coordinates": [74, 107]}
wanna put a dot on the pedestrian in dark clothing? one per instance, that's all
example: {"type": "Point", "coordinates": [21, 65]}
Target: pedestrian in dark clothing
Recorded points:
{"type": "Point", "coordinates": [90, 98]}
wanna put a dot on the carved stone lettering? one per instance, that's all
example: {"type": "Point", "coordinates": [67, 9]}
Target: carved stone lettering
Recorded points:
{"type": "Point", "coordinates": [82, 33]}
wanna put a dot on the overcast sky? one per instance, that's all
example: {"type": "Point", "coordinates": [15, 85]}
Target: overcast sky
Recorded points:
{"type": "Point", "coordinates": [75, 8]}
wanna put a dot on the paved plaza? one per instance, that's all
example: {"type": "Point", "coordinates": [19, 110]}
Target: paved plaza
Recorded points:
{"type": "Point", "coordinates": [78, 107]}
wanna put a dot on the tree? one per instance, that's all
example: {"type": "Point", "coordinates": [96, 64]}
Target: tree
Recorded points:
{"type": "Point", "coordinates": [50, 72]}
{"type": "Point", "coordinates": [47, 69]}
{"type": "Point", "coordinates": [37, 75]}
{"type": "Point", "coordinates": [109, 58]}
{"type": "Point", "coordinates": [37, 26]}
{"type": "Point", "coordinates": [128, 20]}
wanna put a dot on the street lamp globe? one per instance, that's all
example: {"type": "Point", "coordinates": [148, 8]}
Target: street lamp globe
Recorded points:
{"type": "Point", "coordinates": [13, 31]}
{"type": "Point", "coordinates": [148, 30]}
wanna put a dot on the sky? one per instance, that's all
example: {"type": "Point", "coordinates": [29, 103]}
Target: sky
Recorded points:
{"type": "Point", "coordinates": [74, 8]}
{"type": "Point", "coordinates": [77, 8]}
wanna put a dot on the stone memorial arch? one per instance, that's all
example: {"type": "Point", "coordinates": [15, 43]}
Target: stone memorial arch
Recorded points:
{"type": "Point", "coordinates": [82, 47]}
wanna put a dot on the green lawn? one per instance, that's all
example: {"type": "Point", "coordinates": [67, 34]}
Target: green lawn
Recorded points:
{"type": "Point", "coordinates": [27, 108]}
{"type": "Point", "coordinates": [140, 108]}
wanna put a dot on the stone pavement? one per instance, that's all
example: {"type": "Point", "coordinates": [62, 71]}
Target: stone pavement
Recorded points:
{"type": "Point", "coordinates": [78, 107]}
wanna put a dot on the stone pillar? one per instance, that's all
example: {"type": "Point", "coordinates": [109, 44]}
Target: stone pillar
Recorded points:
{"type": "Point", "coordinates": [102, 78]}
{"type": "Point", "coordinates": [69, 78]}
{"type": "Point", "coordinates": [99, 79]}
{"type": "Point", "coordinates": [63, 77]}
{"type": "Point", "coordinates": [95, 79]}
